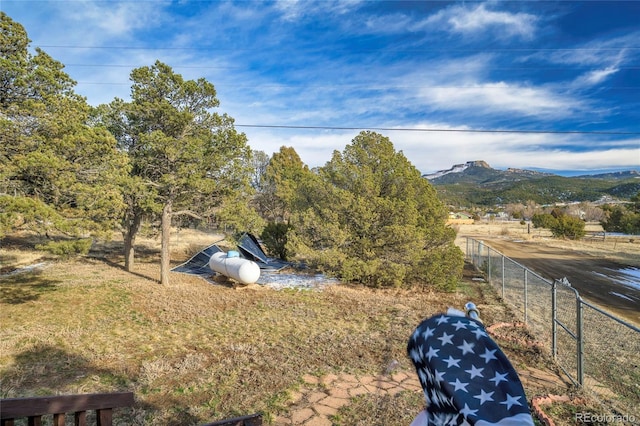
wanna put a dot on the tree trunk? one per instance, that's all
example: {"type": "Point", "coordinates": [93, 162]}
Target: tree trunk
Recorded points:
{"type": "Point", "coordinates": [165, 255]}
{"type": "Point", "coordinates": [130, 234]}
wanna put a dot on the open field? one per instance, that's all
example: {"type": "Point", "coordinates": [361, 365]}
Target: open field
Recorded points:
{"type": "Point", "coordinates": [619, 249]}
{"type": "Point", "coordinates": [194, 352]}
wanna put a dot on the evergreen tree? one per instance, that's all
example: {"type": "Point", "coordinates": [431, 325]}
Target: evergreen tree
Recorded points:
{"type": "Point", "coordinates": [368, 216]}
{"type": "Point", "coordinates": [623, 219]}
{"type": "Point", "coordinates": [186, 160]}
{"type": "Point", "coordinates": [59, 174]}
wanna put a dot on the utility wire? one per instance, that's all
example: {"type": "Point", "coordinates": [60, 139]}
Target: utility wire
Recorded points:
{"type": "Point", "coordinates": [411, 129]}
{"type": "Point", "coordinates": [349, 86]}
{"type": "Point", "coordinates": [501, 68]}
{"type": "Point", "coordinates": [246, 49]}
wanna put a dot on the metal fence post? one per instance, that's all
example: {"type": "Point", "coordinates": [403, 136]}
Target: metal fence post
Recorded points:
{"type": "Point", "coordinates": [466, 252]}
{"type": "Point", "coordinates": [580, 342]}
{"type": "Point", "coordinates": [554, 318]}
{"type": "Point", "coordinates": [503, 277]}
{"type": "Point", "coordinates": [525, 297]}
{"type": "Point", "coordinates": [489, 263]}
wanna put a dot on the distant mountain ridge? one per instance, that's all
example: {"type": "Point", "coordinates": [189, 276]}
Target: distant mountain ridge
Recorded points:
{"type": "Point", "coordinates": [477, 183]}
{"type": "Point", "coordinates": [479, 170]}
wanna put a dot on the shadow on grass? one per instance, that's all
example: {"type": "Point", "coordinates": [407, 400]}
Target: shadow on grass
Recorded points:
{"type": "Point", "coordinates": [120, 266]}
{"type": "Point", "coordinates": [45, 370]}
{"type": "Point", "coordinates": [112, 254]}
{"type": "Point", "coordinates": [25, 287]}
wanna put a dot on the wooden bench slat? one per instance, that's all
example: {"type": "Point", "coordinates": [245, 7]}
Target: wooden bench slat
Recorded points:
{"type": "Point", "coordinates": [58, 419]}
{"type": "Point", "coordinates": [104, 417]}
{"type": "Point", "coordinates": [80, 418]}
{"type": "Point", "coordinates": [12, 408]}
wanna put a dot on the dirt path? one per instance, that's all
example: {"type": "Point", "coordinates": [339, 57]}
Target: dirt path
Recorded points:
{"type": "Point", "coordinates": [597, 280]}
{"type": "Point", "coordinates": [320, 398]}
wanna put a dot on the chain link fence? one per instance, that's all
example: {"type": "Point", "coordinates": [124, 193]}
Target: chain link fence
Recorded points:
{"type": "Point", "coordinates": [596, 350]}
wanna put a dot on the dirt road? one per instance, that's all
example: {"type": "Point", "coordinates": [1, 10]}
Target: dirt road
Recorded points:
{"type": "Point", "coordinates": [599, 281]}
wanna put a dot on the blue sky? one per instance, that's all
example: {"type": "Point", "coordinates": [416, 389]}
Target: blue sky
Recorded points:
{"type": "Point", "coordinates": [559, 80]}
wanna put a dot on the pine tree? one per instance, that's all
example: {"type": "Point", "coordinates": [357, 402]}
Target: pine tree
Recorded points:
{"type": "Point", "coordinates": [59, 174]}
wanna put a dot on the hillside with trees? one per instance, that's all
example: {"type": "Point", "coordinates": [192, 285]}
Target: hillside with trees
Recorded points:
{"type": "Point", "coordinates": [477, 184]}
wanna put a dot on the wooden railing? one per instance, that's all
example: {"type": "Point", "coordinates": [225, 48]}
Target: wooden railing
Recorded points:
{"type": "Point", "coordinates": [59, 406]}
{"type": "Point", "coordinates": [33, 409]}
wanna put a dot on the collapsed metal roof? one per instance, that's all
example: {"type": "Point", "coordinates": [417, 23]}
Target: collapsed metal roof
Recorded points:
{"type": "Point", "coordinates": [199, 264]}
{"type": "Point", "coordinates": [249, 248]}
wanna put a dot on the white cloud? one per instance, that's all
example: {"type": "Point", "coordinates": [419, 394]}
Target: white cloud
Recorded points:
{"type": "Point", "coordinates": [463, 85]}
{"type": "Point", "coordinates": [500, 98]}
{"type": "Point", "coordinates": [594, 77]}
{"type": "Point", "coordinates": [292, 10]}
{"type": "Point", "coordinates": [605, 56]}
{"type": "Point", "coordinates": [114, 18]}
{"type": "Point", "coordinates": [598, 52]}
{"type": "Point", "coordinates": [394, 23]}
{"type": "Point", "coordinates": [468, 20]}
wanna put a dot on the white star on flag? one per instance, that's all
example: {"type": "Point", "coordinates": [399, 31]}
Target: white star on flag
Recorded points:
{"type": "Point", "coordinates": [488, 355]}
{"type": "Point", "coordinates": [442, 319]}
{"type": "Point", "coordinates": [484, 396]}
{"type": "Point", "coordinates": [428, 333]}
{"type": "Point", "coordinates": [460, 325]}
{"type": "Point", "coordinates": [432, 352]}
{"type": "Point", "coordinates": [499, 377]}
{"type": "Point", "coordinates": [452, 361]}
{"type": "Point", "coordinates": [511, 400]}
{"type": "Point", "coordinates": [458, 385]}
{"type": "Point", "coordinates": [466, 347]}
{"type": "Point", "coordinates": [479, 333]}
{"type": "Point", "coordinates": [475, 372]}
{"type": "Point", "coordinates": [445, 339]}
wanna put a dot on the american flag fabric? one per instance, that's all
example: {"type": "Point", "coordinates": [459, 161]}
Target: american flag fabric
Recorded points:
{"type": "Point", "coordinates": [466, 378]}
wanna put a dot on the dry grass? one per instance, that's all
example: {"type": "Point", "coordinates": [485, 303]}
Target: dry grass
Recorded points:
{"type": "Point", "coordinates": [193, 352]}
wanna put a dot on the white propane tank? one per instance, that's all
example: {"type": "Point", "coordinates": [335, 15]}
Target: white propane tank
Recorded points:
{"type": "Point", "coordinates": [232, 266]}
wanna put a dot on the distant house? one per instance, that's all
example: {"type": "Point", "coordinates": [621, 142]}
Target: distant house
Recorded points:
{"type": "Point", "coordinates": [499, 215]}
{"type": "Point", "coordinates": [460, 218]}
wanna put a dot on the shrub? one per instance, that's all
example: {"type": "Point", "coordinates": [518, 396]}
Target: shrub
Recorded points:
{"type": "Point", "coordinates": [67, 248]}
{"type": "Point", "coordinates": [274, 238]}
{"type": "Point", "coordinates": [543, 220]}
{"type": "Point", "coordinates": [568, 227]}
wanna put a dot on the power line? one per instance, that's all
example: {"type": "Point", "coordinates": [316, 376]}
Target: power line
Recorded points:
{"type": "Point", "coordinates": [497, 68]}
{"type": "Point", "coordinates": [488, 49]}
{"type": "Point", "coordinates": [179, 66]}
{"type": "Point", "coordinates": [350, 86]}
{"type": "Point", "coordinates": [412, 129]}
